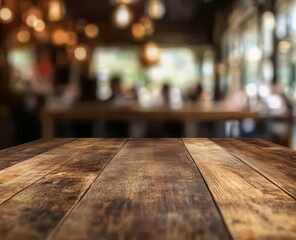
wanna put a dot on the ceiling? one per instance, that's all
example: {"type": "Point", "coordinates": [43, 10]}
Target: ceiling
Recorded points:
{"type": "Point", "coordinates": [177, 10]}
{"type": "Point", "coordinates": [185, 20]}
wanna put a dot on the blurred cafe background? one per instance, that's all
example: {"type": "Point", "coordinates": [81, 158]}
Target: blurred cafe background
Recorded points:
{"type": "Point", "coordinates": [147, 68]}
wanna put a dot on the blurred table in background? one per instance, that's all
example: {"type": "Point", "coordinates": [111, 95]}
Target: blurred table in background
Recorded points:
{"type": "Point", "coordinates": [131, 112]}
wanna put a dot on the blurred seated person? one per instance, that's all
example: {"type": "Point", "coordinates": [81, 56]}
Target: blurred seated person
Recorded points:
{"type": "Point", "coordinates": [277, 90]}
{"type": "Point", "coordinates": [116, 128]}
{"type": "Point", "coordinates": [165, 93]}
{"type": "Point", "coordinates": [171, 96]}
{"type": "Point", "coordinates": [88, 86]}
{"type": "Point", "coordinates": [278, 114]}
{"type": "Point", "coordinates": [116, 89]}
{"type": "Point", "coordinates": [195, 93]}
{"type": "Point", "coordinates": [166, 128]}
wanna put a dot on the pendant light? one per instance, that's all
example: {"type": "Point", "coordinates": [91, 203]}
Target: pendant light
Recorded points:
{"type": "Point", "coordinates": [122, 16]}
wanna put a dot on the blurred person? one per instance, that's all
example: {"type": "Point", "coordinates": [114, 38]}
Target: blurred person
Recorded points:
{"type": "Point", "coordinates": [62, 68]}
{"type": "Point", "coordinates": [166, 128]}
{"type": "Point", "coordinates": [116, 89]}
{"type": "Point", "coordinates": [39, 88]}
{"type": "Point", "coordinates": [88, 85]}
{"type": "Point", "coordinates": [116, 128]}
{"type": "Point", "coordinates": [42, 84]}
{"type": "Point", "coordinates": [165, 93]}
{"type": "Point", "coordinates": [195, 93]}
{"type": "Point", "coordinates": [280, 114]}
{"type": "Point", "coordinates": [276, 89]}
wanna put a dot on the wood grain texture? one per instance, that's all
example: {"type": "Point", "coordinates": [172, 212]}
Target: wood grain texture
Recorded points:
{"type": "Point", "coordinates": [17, 154]}
{"type": "Point", "coordinates": [278, 169]}
{"type": "Point", "coordinates": [273, 148]}
{"type": "Point", "coordinates": [252, 206]}
{"type": "Point", "coordinates": [35, 211]}
{"type": "Point", "coordinates": [150, 190]}
{"type": "Point", "coordinates": [19, 176]}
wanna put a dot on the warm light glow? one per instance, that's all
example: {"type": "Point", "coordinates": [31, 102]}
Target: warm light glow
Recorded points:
{"type": "Point", "coordinates": [138, 31]}
{"type": "Point", "coordinates": [251, 89]}
{"type": "Point", "coordinates": [56, 10]}
{"type": "Point", "coordinates": [151, 52]}
{"type": "Point", "coordinates": [23, 36]}
{"type": "Point", "coordinates": [254, 54]}
{"type": "Point", "coordinates": [6, 15]}
{"type": "Point", "coordinates": [32, 15]}
{"type": "Point", "coordinates": [148, 25]}
{"type": "Point", "coordinates": [30, 20]}
{"type": "Point", "coordinates": [39, 25]}
{"type": "Point", "coordinates": [60, 37]}
{"type": "Point", "coordinates": [91, 30]}
{"type": "Point", "coordinates": [268, 20]}
{"type": "Point", "coordinates": [284, 46]}
{"type": "Point", "coordinates": [122, 16]}
{"type": "Point", "coordinates": [155, 9]}
{"type": "Point", "coordinates": [72, 38]}
{"type": "Point", "coordinates": [221, 68]}
{"type": "Point", "coordinates": [80, 53]}
{"type": "Point", "coordinates": [115, 2]}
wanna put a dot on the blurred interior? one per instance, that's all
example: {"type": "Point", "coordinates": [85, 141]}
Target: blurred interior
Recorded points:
{"type": "Point", "coordinates": [147, 68]}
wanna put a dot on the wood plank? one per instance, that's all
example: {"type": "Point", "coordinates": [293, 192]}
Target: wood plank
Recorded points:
{"type": "Point", "coordinates": [33, 213]}
{"type": "Point", "coordinates": [17, 154]}
{"type": "Point", "coordinates": [22, 175]}
{"type": "Point", "coordinates": [273, 148]}
{"type": "Point", "coordinates": [150, 190]}
{"type": "Point", "coordinates": [279, 170]}
{"type": "Point", "coordinates": [252, 206]}
{"type": "Point", "coordinates": [22, 146]}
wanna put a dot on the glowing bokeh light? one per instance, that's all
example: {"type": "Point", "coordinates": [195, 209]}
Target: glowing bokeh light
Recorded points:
{"type": "Point", "coordinates": [56, 10]}
{"type": "Point", "coordinates": [39, 25]}
{"type": "Point", "coordinates": [122, 16]}
{"type": "Point", "coordinates": [155, 9]}
{"type": "Point", "coordinates": [23, 36]}
{"type": "Point", "coordinates": [284, 46]}
{"type": "Point", "coordinates": [32, 15]}
{"type": "Point", "coordinates": [268, 20]}
{"type": "Point", "coordinates": [6, 15]}
{"type": "Point", "coordinates": [60, 37]}
{"type": "Point", "coordinates": [30, 20]}
{"type": "Point", "coordinates": [91, 30]}
{"type": "Point", "coordinates": [151, 52]}
{"type": "Point", "coordinates": [138, 31]}
{"type": "Point", "coordinates": [148, 25]}
{"type": "Point", "coordinates": [80, 53]}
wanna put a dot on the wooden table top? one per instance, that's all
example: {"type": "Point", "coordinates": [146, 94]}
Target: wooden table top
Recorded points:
{"type": "Point", "coordinates": [148, 189]}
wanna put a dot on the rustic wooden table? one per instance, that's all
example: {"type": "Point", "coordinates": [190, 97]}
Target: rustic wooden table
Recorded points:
{"type": "Point", "coordinates": [148, 189]}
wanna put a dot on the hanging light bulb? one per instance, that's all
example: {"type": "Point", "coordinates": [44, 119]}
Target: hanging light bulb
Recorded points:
{"type": "Point", "coordinates": [155, 9]}
{"type": "Point", "coordinates": [56, 10]}
{"type": "Point", "coordinates": [6, 15]}
{"type": "Point", "coordinates": [151, 53]}
{"type": "Point", "coordinates": [122, 17]}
